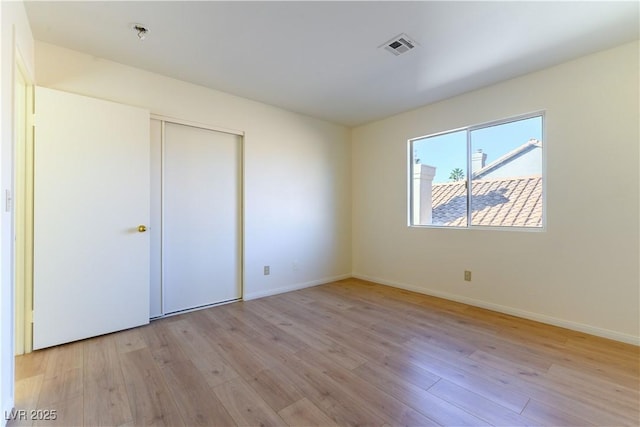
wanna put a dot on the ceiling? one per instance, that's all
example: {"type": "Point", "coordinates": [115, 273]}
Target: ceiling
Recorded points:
{"type": "Point", "coordinates": [322, 58]}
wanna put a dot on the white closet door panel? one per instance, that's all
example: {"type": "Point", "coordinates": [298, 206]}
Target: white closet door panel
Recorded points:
{"type": "Point", "coordinates": [202, 217]}
{"type": "Point", "coordinates": [155, 223]}
{"type": "Point", "coordinates": [91, 265]}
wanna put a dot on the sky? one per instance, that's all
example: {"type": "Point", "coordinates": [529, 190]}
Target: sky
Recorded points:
{"type": "Point", "coordinates": [449, 151]}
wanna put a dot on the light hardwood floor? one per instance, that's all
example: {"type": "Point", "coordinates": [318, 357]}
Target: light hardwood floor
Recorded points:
{"type": "Point", "coordinates": [346, 353]}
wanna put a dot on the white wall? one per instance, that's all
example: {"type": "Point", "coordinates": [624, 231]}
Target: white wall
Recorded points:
{"type": "Point", "coordinates": [583, 271]}
{"type": "Point", "coordinates": [297, 169]}
{"type": "Point", "coordinates": [15, 39]}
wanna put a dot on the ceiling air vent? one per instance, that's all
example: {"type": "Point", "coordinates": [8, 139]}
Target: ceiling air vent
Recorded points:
{"type": "Point", "coordinates": [399, 44]}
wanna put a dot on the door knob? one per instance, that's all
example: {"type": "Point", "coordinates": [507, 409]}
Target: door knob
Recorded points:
{"type": "Point", "coordinates": [142, 228]}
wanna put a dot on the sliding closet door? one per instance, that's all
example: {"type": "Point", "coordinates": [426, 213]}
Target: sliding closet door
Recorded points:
{"type": "Point", "coordinates": [201, 248]}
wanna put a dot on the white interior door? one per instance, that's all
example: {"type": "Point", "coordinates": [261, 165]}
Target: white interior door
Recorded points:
{"type": "Point", "coordinates": [201, 226]}
{"type": "Point", "coordinates": [91, 264]}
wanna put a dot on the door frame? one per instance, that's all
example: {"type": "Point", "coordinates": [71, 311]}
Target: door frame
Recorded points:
{"type": "Point", "coordinates": [23, 208]}
{"type": "Point", "coordinates": [167, 119]}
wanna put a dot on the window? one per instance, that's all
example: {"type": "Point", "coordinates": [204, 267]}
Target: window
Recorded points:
{"type": "Point", "coordinates": [502, 164]}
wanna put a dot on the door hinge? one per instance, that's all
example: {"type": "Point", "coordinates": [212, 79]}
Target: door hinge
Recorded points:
{"type": "Point", "coordinates": [8, 199]}
{"type": "Point", "coordinates": [30, 316]}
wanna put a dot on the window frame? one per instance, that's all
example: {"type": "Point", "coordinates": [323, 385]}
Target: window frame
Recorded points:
{"type": "Point", "coordinates": [469, 178]}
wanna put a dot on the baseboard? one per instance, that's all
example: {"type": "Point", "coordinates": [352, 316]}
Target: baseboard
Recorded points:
{"type": "Point", "coordinates": [542, 318]}
{"type": "Point", "coordinates": [294, 287]}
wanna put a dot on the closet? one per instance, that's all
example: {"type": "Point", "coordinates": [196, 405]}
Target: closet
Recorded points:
{"type": "Point", "coordinates": [131, 221]}
{"type": "Point", "coordinates": [196, 217]}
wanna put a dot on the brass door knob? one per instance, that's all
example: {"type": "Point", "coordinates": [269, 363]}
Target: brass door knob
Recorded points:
{"type": "Point", "coordinates": [142, 228]}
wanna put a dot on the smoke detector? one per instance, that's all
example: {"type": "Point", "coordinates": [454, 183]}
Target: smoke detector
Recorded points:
{"type": "Point", "coordinates": [398, 45]}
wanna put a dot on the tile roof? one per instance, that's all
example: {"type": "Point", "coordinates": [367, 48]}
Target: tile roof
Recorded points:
{"type": "Point", "coordinates": [496, 202]}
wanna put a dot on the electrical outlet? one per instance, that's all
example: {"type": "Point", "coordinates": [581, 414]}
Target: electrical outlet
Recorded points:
{"type": "Point", "coordinates": [467, 275]}
{"type": "Point", "coordinates": [267, 270]}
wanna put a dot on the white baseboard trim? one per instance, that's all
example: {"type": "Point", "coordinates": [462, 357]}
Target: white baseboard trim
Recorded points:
{"type": "Point", "coordinates": [542, 318]}
{"type": "Point", "coordinates": [294, 287]}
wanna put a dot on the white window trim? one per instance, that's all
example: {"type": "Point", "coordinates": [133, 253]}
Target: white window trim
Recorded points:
{"type": "Point", "coordinates": [468, 130]}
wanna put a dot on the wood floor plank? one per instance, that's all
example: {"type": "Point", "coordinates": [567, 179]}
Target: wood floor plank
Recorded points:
{"type": "Point", "coordinates": [202, 353]}
{"type": "Point", "coordinates": [311, 314]}
{"type": "Point", "coordinates": [67, 413]}
{"type": "Point", "coordinates": [343, 408]}
{"type": "Point", "coordinates": [400, 367]}
{"type": "Point", "coordinates": [595, 385]}
{"type": "Point", "coordinates": [435, 348]}
{"type": "Point", "coordinates": [162, 343]}
{"type": "Point", "coordinates": [222, 318]}
{"type": "Point", "coordinates": [305, 413]}
{"type": "Point", "coordinates": [64, 357]}
{"type": "Point", "coordinates": [548, 415]}
{"type": "Point", "coordinates": [347, 353]}
{"type": "Point", "coordinates": [192, 394]}
{"type": "Point", "coordinates": [512, 366]}
{"type": "Point", "coordinates": [359, 344]}
{"type": "Point", "coordinates": [554, 391]}
{"type": "Point", "coordinates": [245, 405]}
{"type": "Point", "coordinates": [151, 401]}
{"type": "Point", "coordinates": [610, 347]}
{"type": "Point", "coordinates": [604, 351]}
{"type": "Point", "coordinates": [523, 353]}
{"type": "Point", "coordinates": [548, 391]}
{"type": "Point", "coordinates": [603, 373]}
{"type": "Point", "coordinates": [453, 341]}
{"type": "Point", "coordinates": [27, 391]}
{"type": "Point", "coordinates": [63, 378]}
{"type": "Point", "coordinates": [320, 293]}
{"type": "Point", "coordinates": [196, 402]}
{"type": "Point", "coordinates": [515, 328]}
{"type": "Point", "coordinates": [241, 356]}
{"type": "Point", "coordinates": [488, 384]}
{"type": "Point", "coordinates": [105, 397]}
{"type": "Point", "coordinates": [311, 337]}
{"type": "Point", "coordinates": [65, 385]}
{"type": "Point", "coordinates": [32, 364]}
{"type": "Point", "coordinates": [272, 333]}
{"type": "Point", "coordinates": [394, 411]}
{"type": "Point", "coordinates": [188, 333]}
{"type": "Point", "coordinates": [130, 340]}
{"type": "Point", "coordinates": [275, 388]}
{"type": "Point", "coordinates": [438, 411]}
{"type": "Point", "coordinates": [479, 406]}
